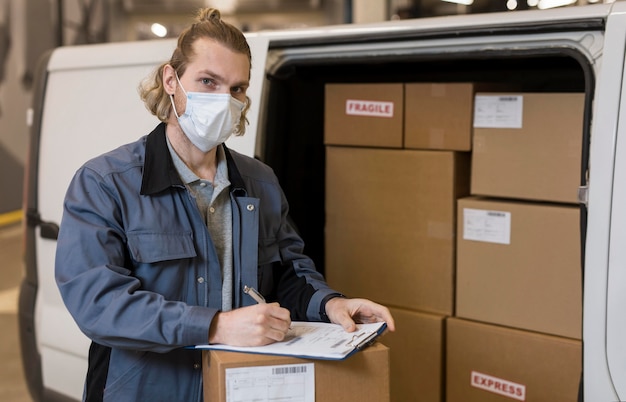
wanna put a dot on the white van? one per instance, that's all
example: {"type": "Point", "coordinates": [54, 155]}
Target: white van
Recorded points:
{"type": "Point", "coordinates": [86, 103]}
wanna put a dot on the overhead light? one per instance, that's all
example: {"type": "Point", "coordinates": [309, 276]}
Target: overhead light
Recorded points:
{"type": "Point", "coordinates": [159, 30]}
{"type": "Point", "coordinates": [511, 4]}
{"type": "Point", "coordinates": [462, 2]}
{"type": "Point", "coordinates": [545, 4]}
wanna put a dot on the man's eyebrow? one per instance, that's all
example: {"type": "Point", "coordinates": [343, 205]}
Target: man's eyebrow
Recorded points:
{"type": "Point", "coordinates": [220, 79]}
{"type": "Point", "coordinates": [242, 84]}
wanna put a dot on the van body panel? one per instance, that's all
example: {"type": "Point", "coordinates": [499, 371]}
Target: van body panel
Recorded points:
{"type": "Point", "coordinates": [559, 20]}
{"type": "Point", "coordinates": [84, 57]}
{"type": "Point", "coordinates": [118, 100]}
{"type": "Point", "coordinates": [603, 304]}
{"type": "Point", "coordinates": [589, 40]}
{"type": "Point", "coordinates": [612, 127]}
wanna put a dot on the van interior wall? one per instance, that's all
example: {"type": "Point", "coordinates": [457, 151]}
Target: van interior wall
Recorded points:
{"type": "Point", "coordinates": [295, 120]}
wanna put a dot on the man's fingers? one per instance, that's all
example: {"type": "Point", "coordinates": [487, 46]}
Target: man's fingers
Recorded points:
{"type": "Point", "coordinates": [274, 322]}
{"type": "Point", "coordinates": [255, 325]}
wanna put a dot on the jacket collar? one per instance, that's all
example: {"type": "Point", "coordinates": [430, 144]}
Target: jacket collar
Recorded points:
{"type": "Point", "coordinates": [237, 187]}
{"type": "Point", "coordinates": [159, 172]}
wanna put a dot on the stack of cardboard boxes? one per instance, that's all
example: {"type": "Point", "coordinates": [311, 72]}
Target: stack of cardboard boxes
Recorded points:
{"type": "Point", "coordinates": [519, 276]}
{"type": "Point", "coordinates": [457, 208]}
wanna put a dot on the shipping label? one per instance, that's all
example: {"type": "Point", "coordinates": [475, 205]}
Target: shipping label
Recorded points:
{"type": "Point", "coordinates": [498, 111]}
{"type": "Point", "coordinates": [288, 382]}
{"type": "Point", "coordinates": [487, 226]}
{"type": "Point", "coordinates": [369, 108]}
{"type": "Point", "coordinates": [498, 386]}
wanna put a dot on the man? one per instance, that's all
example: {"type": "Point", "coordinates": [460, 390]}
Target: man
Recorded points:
{"type": "Point", "coordinates": [160, 237]}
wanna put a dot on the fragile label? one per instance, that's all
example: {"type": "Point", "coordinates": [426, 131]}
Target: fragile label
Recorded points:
{"type": "Point", "coordinates": [498, 386]}
{"type": "Point", "coordinates": [487, 226]}
{"type": "Point", "coordinates": [491, 111]}
{"type": "Point", "coordinates": [369, 108]}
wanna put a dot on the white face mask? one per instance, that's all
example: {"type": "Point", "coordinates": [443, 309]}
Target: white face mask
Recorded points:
{"type": "Point", "coordinates": [209, 118]}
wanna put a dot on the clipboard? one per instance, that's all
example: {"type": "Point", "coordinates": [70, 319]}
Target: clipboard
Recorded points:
{"type": "Point", "coordinates": [314, 340]}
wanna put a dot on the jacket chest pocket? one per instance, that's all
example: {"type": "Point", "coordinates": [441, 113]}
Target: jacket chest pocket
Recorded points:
{"type": "Point", "coordinates": [151, 247]}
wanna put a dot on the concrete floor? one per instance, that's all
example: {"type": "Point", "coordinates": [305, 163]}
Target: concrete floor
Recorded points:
{"type": "Point", "coordinates": [12, 383]}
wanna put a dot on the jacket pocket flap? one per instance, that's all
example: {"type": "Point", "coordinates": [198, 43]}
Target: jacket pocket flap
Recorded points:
{"type": "Point", "coordinates": [151, 247]}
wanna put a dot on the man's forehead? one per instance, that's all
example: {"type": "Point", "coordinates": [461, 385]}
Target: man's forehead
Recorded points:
{"type": "Point", "coordinates": [206, 48]}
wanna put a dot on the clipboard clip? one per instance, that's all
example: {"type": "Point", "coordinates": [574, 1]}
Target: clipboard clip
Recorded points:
{"type": "Point", "coordinates": [358, 344]}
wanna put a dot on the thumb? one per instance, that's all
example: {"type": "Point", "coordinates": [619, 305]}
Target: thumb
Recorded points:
{"type": "Point", "coordinates": [347, 322]}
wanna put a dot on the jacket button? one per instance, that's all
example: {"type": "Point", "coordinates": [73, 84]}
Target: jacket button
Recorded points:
{"type": "Point", "coordinates": [200, 279]}
{"type": "Point", "coordinates": [250, 207]}
{"type": "Point", "coordinates": [196, 366]}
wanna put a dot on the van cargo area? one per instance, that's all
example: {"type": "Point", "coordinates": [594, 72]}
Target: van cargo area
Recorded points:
{"type": "Point", "coordinates": [293, 136]}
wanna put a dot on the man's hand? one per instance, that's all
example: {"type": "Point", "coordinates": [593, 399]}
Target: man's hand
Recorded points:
{"type": "Point", "coordinates": [349, 312]}
{"type": "Point", "coordinates": [256, 325]}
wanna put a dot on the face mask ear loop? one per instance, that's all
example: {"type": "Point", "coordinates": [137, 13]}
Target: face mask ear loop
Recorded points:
{"type": "Point", "coordinates": [174, 106]}
{"type": "Point", "coordinates": [172, 96]}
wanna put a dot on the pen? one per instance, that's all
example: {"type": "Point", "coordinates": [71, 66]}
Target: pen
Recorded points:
{"type": "Point", "coordinates": [254, 294]}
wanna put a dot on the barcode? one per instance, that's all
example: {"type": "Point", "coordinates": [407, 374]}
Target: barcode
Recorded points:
{"type": "Point", "coordinates": [289, 370]}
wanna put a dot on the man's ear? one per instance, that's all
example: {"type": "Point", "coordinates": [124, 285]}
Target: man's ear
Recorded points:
{"type": "Point", "coordinates": [169, 79]}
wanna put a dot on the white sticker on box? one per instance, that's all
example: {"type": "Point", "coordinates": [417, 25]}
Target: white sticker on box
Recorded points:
{"type": "Point", "coordinates": [369, 108]}
{"type": "Point", "coordinates": [487, 226]}
{"type": "Point", "coordinates": [498, 386]}
{"type": "Point", "coordinates": [287, 382]}
{"type": "Point", "coordinates": [498, 111]}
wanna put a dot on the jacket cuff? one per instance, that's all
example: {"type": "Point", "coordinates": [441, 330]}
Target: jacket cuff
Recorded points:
{"type": "Point", "coordinates": [197, 324]}
{"type": "Point", "coordinates": [323, 315]}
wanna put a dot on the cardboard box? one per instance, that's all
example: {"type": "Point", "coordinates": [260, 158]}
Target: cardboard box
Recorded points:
{"type": "Point", "coordinates": [417, 356]}
{"type": "Point", "coordinates": [439, 116]}
{"type": "Point", "coordinates": [364, 115]}
{"type": "Point", "coordinates": [390, 224]}
{"type": "Point", "coordinates": [363, 376]}
{"type": "Point", "coordinates": [488, 363]}
{"type": "Point", "coordinates": [518, 264]}
{"type": "Point", "coordinates": [528, 146]}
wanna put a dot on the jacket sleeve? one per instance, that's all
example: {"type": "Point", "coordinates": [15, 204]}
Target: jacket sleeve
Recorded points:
{"type": "Point", "coordinates": [94, 275]}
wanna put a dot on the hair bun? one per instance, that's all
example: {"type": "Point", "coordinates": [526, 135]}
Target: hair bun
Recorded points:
{"type": "Point", "coordinates": [209, 14]}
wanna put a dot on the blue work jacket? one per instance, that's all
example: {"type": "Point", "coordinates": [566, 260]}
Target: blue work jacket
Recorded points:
{"type": "Point", "coordinates": [139, 273]}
